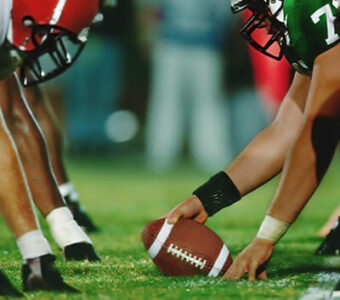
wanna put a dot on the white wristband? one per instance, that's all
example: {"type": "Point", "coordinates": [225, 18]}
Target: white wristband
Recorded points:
{"type": "Point", "coordinates": [272, 229]}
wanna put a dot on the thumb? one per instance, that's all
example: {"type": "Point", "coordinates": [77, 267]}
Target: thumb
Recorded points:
{"type": "Point", "coordinates": [201, 217]}
{"type": "Point", "coordinates": [174, 217]}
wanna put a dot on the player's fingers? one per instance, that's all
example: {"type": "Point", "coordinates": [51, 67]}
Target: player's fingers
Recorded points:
{"type": "Point", "coordinates": [252, 271]}
{"type": "Point", "coordinates": [175, 215]}
{"type": "Point", "coordinates": [201, 217]}
{"type": "Point", "coordinates": [263, 275]}
{"type": "Point", "coordinates": [236, 271]}
{"type": "Point", "coordinates": [173, 218]}
{"type": "Point", "coordinates": [165, 216]}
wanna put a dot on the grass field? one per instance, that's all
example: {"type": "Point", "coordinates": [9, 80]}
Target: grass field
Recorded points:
{"type": "Point", "coordinates": [122, 195]}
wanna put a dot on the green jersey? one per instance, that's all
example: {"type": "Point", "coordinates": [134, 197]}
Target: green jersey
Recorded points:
{"type": "Point", "coordinates": [311, 30]}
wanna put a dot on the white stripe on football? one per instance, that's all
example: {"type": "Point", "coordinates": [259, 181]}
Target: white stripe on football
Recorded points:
{"type": "Point", "coordinates": [185, 248]}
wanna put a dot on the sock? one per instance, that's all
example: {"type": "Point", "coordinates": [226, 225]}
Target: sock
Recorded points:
{"type": "Point", "coordinates": [64, 229]}
{"type": "Point", "coordinates": [33, 244]}
{"type": "Point", "coordinates": [68, 191]}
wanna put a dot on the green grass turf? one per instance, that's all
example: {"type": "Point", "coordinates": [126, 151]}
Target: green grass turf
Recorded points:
{"type": "Point", "coordinates": [121, 196]}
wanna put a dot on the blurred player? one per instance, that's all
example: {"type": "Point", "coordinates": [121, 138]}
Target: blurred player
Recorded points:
{"type": "Point", "coordinates": [300, 141]}
{"type": "Point", "coordinates": [331, 244]}
{"type": "Point", "coordinates": [43, 38]}
{"type": "Point", "coordinates": [332, 219]}
{"type": "Point", "coordinates": [331, 231]}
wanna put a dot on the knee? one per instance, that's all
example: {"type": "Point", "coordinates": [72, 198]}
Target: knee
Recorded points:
{"type": "Point", "coordinates": [24, 128]}
{"type": "Point", "coordinates": [7, 144]}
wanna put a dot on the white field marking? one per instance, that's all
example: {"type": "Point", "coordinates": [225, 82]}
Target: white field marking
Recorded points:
{"type": "Point", "coordinates": [328, 277]}
{"type": "Point", "coordinates": [314, 293]}
{"type": "Point", "coordinates": [198, 262]}
{"type": "Point", "coordinates": [336, 294]}
{"type": "Point", "coordinates": [162, 236]}
{"type": "Point", "coordinates": [220, 261]}
{"type": "Point", "coordinates": [58, 12]}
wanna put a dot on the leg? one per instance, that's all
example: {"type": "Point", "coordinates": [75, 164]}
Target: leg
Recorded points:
{"type": "Point", "coordinates": [326, 228]}
{"type": "Point", "coordinates": [34, 156]}
{"type": "Point", "coordinates": [331, 243]}
{"type": "Point", "coordinates": [209, 138]}
{"type": "Point", "coordinates": [33, 152]}
{"type": "Point", "coordinates": [16, 208]}
{"type": "Point", "coordinates": [42, 110]}
{"type": "Point", "coordinates": [165, 120]}
{"type": "Point", "coordinates": [15, 198]}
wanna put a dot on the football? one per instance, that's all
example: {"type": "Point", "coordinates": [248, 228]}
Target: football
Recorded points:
{"type": "Point", "coordinates": [185, 248]}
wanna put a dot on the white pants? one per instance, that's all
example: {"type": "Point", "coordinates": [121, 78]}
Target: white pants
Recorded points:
{"type": "Point", "coordinates": [186, 94]}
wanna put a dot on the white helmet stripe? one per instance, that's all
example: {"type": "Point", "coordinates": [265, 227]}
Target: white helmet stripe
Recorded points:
{"type": "Point", "coordinates": [5, 19]}
{"type": "Point", "coordinates": [276, 7]}
{"type": "Point", "coordinates": [58, 12]}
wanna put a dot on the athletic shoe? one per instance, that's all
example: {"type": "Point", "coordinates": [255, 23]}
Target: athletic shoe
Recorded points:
{"type": "Point", "coordinates": [80, 216]}
{"type": "Point", "coordinates": [336, 292]}
{"type": "Point", "coordinates": [41, 274]}
{"type": "Point", "coordinates": [80, 251]}
{"type": "Point", "coordinates": [6, 287]}
{"type": "Point", "coordinates": [331, 243]}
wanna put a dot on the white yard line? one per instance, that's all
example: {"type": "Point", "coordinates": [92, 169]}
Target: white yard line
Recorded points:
{"type": "Point", "coordinates": [319, 293]}
{"type": "Point", "coordinates": [314, 293]}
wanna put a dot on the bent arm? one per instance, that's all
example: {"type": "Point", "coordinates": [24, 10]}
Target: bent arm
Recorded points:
{"type": "Point", "coordinates": [263, 158]}
{"type": "Point", "coordinates": [317, 139]}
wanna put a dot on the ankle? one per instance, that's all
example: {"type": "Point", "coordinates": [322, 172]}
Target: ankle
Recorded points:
{"type": "Point", "coordinates": [33, 244]}
{"type": "Point", "coordinates": [64, 228]}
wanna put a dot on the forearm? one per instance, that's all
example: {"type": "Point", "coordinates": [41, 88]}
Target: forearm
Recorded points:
{"type": "Point", "coordinates": [263, 158]}
{"type": "Point", "coordinates": [312, 152]}
{"type": "Point", "coordinates": [304, 168]}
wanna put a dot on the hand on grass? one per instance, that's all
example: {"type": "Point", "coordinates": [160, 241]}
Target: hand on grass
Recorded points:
{"type": "Point", "coordinates": [252, 260]}
{"type": "Point", "coordinates": [190, 208]}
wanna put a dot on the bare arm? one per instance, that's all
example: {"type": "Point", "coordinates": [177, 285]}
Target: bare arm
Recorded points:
{"type": "Point", "coordinates": [313, 150]}
{"type": "Point", "coordinates": [263, 158]}
{"type": "Point", "coordinates": [305, 165]}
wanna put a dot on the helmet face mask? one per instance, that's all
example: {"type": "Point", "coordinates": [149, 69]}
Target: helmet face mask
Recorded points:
{"type": "Point", "coordinates": [264, 14]}
{"type": "Point", "coordinates": [49, 35]}
{"type": "Point", "coordinates": [56, 49]}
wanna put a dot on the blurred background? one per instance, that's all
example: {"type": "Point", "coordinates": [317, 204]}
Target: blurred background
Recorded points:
{"type": "Point", "coordinates": [167, 81]}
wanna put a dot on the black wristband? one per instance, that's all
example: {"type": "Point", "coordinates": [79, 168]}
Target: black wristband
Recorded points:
{"type": "Point", "coordinates": [218, 192]}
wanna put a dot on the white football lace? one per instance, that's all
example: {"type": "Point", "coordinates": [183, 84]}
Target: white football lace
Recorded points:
{"type": "Point", "coordinates": [198, 262]}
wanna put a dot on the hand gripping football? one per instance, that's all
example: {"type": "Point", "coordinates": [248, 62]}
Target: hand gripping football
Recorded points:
{"type": "Point", "coordinates": [185, 248]}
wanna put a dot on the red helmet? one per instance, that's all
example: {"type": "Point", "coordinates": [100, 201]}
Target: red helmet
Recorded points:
{"type": "Point", "coordinates": [50, 34]}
